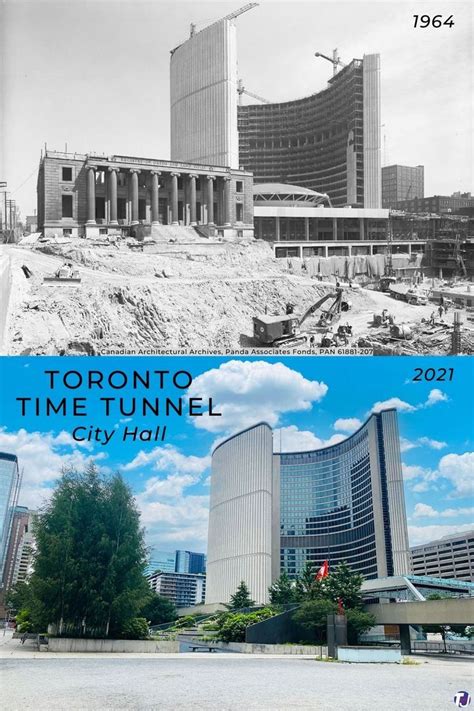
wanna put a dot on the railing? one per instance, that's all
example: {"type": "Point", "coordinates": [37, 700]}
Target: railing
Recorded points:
{"type": "Point", "coordinates": [438, 647]}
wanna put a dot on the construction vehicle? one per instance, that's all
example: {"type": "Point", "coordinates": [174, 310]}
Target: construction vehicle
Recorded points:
{"type": "Point", "coordinates": [283, 329]}
{"type": "Point", "coordinates": [404, 292]}
{"type": "Point", "coordinates": [64, 275]}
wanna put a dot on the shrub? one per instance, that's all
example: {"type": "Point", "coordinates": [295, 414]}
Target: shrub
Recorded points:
{"type": "Point", "coordinates": [136, 628]}
{"type": "Point", "coordinates": [186, 621]}
{"type": "Point", "coordinates": [232, 626]}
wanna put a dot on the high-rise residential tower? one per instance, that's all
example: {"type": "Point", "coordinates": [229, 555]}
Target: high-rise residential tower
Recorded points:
{"type": "Point", "coordinates": [274, 512]}
{"type": "Point", "coordinates": [10, 480]}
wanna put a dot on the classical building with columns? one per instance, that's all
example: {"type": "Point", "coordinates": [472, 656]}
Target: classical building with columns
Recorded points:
{"type": "Point", "coordinates": [92, 195]}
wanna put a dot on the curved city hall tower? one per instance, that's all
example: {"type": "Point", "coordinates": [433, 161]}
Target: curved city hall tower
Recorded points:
{"type": "Point", "coordinates": [342, 503]}
{"type": "Point", "coordinates": [328, 141]}
{"type": "Point", "coordinates": [203, 82]}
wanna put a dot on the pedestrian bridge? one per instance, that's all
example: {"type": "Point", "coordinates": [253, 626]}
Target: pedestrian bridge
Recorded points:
{"type": "Point", "coordinates": [449, 611]}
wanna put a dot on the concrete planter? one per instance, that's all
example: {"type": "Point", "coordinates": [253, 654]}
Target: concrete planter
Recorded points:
{"type": "Point", "coordinates": [249, 648]}
{"type": "Point", "coordinates": [65, 644]}
{"type": "Point", "coordinates": [379, 655]}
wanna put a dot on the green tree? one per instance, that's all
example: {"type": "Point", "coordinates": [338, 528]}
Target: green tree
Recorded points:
{"type": "Point", "coordinates": [312, 615]}
{"type": "Point", "coordinates": [283, 591]}
{"type": "Point", "coordinates": [358, 622]}
{"type": "Point", "coordinates": [90, 557]}
{"type": "Point", "coordinates": [344, 584]}
{"type": "Point", "coordinates": [443, 630]}
{"type": "Point", "coordinates": [158, 610]}
{"type": "Point", "coordinates": [241, 598]}
{"type": "Point", "coordinates": [307, 587]}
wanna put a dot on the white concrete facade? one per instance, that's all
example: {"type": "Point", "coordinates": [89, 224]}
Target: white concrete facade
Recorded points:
{"type": "Point", "coordinates": [372, 132]}
{"type": "Point", "coordinates": [240, 516]}
{"type": "Point", "coordinates": [203, 88]}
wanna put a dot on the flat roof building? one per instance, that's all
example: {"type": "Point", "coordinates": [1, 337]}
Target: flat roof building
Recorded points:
{"type": "Point", "coordinates": [10, 480]}
{"type": "Point", "coordinates": [402, 182]}
{"type": "Point", "coordinates": [329, 142]}
{"type": "Point", "coordinates": [189, 562]}
{"type": "Point", "coordinates": [457, 203]}
{"type": "Point", "coordinates": [448, 557]}
{"type": "Point", "coordinates": [275, 512]}
{"type": "Point", "coordinates": [184, 589]}
{"type": "Point", "coordinates": [95, 195]}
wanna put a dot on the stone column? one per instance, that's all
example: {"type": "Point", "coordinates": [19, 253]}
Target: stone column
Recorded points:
{"type": "Point", "coordinates": [306, 228]}
{"type": "Point", "coordinates": [134, 179]}
{"type": "Point", "coordinates": [277, 228]}
{"type": "Point", "coordinates": [227, 201]}
{"type": "Point", "coordinates": [334, 228]}
{"type": "Point", "coordinates": [210, 199]}
{"type": "Point", "coordinates": [113, 195]}
{"type": "Point", "coordinates": [174, 198]}
{"type": "Point", "coordinates": [155, 203]}
{"type": "Point", "coordinates": [192, 200]}
{"type": "Point", "coordinates": [90, 195]}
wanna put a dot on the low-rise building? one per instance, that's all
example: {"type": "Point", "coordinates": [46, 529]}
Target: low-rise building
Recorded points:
{"type": "Point", "coordinates": [184, 589]}
{"type": "Point", "coordinates": [438, 204]}
{"type": "Point", "coordinates": [95, 195]}
{"type": "Point", "coordinates": [449, 557]}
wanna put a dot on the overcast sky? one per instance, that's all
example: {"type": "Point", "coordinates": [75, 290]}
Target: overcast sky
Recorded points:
{"type": "Point", "coordinates": [95, 75]}
{"type": "Point", "coordinates": [305, 400]}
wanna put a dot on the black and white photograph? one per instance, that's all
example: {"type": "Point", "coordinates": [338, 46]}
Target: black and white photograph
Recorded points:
{"type": "Point", "coordinates": [280, 177]}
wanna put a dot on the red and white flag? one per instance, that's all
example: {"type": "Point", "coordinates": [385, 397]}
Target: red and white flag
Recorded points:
{"type": "Point", "coordinates": [323, 571]}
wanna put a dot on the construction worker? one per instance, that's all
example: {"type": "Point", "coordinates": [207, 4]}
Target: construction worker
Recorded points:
{"type": "Point", "coordinates": [432, 318]}
{"type": "Point", "coordinates": [440, 311]}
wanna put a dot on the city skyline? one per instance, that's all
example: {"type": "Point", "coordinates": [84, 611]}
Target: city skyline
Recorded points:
{"type": "Point", "coordinates": [305, 401]}
{"type": "Point", "coordinates": [37, 71]}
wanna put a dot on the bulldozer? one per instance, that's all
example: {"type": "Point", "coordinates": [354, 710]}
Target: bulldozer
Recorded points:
{"type": "Point", "coordinates": [286, 329]}
{"type": "Point", "coordinates": [64, 275]}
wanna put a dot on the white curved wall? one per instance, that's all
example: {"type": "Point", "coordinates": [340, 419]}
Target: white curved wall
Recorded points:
{"type": "Point", "coordinates": [203, 83]}
{"type": "Point", "coordinates": [240, 516]}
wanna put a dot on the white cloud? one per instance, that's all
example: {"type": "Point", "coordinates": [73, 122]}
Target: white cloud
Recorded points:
{"type": "Point", "coordinates": [425, 534]}
{"type": "Point", "coordinates": [249, 392]}
{"type": "Point", "coordinates": [435, 396]}
{"type": "Point", "coordinates": [414, 471]}
{"type": "Point", "coordinates": [400, 405]}
{"type": "Point", "coordinates": [459, 470]}
{"type": "Point", "coordinates": [169, 458]}
{"type": "Point", "coordinates": [42, 456]}
{"type": "Point", "coordinates": [432, 443]}
{"type": "Point", "coordinates": [424, 510]}
{"type": "Point", "coordinates": [349, 424]}
{"type": "Point", "coordinates": [406, 445]}
{"type": "Point", "coordinates": [421, 487]}
{"type": "Point", "coordinates": [183, 520]}
{"type": "Point", "coordinates": [291, 439]}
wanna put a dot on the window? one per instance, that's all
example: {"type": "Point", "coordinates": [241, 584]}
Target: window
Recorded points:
{"type": "Point", "coordinates": [67, 231]}
{"type": "Point", "coordinates": [67, 173]}
{"type": "Point", "coordinates": [67, 205]}
{"type": "Point", "coordinates": [239, 210]}
{"type": "Point", "coordinates": [239, 186]}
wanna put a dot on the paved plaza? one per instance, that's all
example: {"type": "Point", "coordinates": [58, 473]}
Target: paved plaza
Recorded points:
{"type": "Point", "coordinates": [227, 682]}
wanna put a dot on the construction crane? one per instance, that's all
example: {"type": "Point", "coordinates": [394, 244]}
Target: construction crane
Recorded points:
{"type": "Point", "coordinates": [230, 16]}
{"type": "Point", "coordinates": [242, 90]}
{"type": "Point", "coordinates": [335, 61]}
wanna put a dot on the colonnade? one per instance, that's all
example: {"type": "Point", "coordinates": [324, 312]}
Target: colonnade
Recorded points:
{"type": "Point", "coordinates": [133, 181]}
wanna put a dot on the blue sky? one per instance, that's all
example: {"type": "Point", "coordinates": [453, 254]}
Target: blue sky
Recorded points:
{"type": "Point", "coordinates": [95, 75]}
{"type": "Point", "coordinates": [310, 402]}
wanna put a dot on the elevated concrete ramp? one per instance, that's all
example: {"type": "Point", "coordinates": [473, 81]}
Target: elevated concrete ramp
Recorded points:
{"type": "Point", "coordinates": [450, 611]}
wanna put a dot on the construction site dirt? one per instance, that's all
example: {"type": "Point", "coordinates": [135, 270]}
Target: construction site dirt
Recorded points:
{"type": "Point", "coordinates": [92, 299]}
